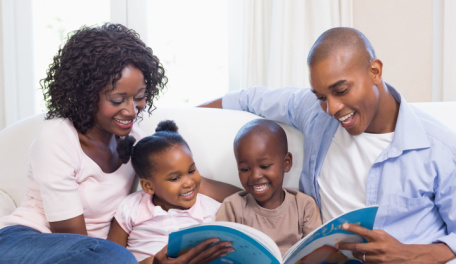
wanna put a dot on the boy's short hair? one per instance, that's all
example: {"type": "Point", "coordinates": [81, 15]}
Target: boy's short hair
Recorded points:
{"type": "Point", "coordinates": [263, 126]}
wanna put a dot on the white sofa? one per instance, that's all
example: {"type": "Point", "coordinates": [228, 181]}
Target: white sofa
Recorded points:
{"type": "Point", "coordinates": [209, 133]}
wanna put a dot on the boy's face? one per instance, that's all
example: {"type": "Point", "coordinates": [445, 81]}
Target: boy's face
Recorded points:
{"type": "Point", "coordinates": [261, 166]}
{"type": "Point", "coordinates": [176, 180]}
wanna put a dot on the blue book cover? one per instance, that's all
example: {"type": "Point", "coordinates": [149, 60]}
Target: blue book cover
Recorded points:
{"type": "Point", "coordinates": [253, 246]}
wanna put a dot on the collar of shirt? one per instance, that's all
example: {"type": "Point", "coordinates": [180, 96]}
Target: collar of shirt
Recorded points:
{"type": "Point", "coordinates": [149, 210]}
{"type": "Point", "coordinates": [406, 121]}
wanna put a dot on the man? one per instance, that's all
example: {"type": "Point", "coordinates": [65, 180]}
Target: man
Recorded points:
{"type": "Point", "coordinates": [368, 146]}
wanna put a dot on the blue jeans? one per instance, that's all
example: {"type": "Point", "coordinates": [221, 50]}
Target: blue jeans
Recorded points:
{"type": "Point", "coordinates": [21, 244]}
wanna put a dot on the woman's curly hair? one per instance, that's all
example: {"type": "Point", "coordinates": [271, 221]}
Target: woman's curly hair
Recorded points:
{"type": "Point", "coordinates": [92, 59]}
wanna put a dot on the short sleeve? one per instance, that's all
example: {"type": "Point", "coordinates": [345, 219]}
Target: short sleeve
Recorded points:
{"type": "Point", "coordinates": [54, 162]}
{"type": "Point", "coordinates": [310, 212]}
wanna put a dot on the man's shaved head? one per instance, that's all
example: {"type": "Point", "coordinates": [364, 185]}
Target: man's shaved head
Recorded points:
{"type": "Point", "coordinates": [335, 39]}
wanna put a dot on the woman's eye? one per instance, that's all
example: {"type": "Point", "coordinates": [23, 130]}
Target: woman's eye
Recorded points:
{"type": "Point", "coordinates": [117, 102]}
{"type": "Point", "coordinates": [139, 98]}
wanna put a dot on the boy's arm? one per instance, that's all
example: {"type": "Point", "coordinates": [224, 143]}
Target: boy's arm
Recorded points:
{"type": "Point", "coordinates": [117, 234]}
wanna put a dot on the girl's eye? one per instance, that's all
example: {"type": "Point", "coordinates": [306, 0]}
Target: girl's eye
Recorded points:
{"type": "Point", "coordinates": [192, 171]}
{"type": "Point", "coordinates": [174, 179]}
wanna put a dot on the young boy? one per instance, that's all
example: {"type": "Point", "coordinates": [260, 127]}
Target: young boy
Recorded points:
{"type": "Point", "coordinates": [262, 157]}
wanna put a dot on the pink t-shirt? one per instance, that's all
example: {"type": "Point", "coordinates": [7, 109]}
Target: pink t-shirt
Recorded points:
{"type": "Point", "coordinates": [148, 226]}
{"type": "Point", "coordinates": [63, 182]}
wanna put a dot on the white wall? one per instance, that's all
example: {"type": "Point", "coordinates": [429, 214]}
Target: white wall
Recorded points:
{"type": "Point", "coordinates": [401, 33]}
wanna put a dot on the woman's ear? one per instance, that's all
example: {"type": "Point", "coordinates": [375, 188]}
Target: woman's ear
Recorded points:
{"type": "Point", "coordinates": [147, 186]}
{"type": "Point", "coordinates": [375, 69]}
{"type": "Point", "coordinates": [288, 162]}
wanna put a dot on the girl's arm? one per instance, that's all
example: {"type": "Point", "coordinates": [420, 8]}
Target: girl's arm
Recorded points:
{"type": "Point", "coordinates": [74, 225]}
{"type": "Point", "coordinates": [117, 234]}
{"type": "Point", "coordinates": [217, 190]}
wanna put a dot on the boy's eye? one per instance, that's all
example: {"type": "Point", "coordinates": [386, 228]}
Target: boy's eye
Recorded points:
{"type": "Point", "coordinates": [264, 167]}
{"type": "Point", "coordinates": [244, 169]}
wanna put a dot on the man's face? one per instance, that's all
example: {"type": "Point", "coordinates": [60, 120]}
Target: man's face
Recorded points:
{"type": "Point", "coordinates": [346, 89]}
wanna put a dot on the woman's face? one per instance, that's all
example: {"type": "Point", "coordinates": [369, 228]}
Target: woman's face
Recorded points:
{"type": "Point", "coordinates": [118, 108]}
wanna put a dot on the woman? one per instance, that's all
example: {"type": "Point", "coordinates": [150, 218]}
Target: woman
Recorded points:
{"type": "Point", "coordinates": [95, 89]}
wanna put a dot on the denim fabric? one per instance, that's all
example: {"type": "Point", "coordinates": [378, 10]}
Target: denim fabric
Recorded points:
{"type": "Point", "coordinates": [21, 244]}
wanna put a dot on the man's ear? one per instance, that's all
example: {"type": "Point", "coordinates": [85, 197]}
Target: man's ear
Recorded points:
{"type": "Point", "coordinates": [147, 186]}
{"type": "Point", "coordinates": [288, 162]}
{"type": "Point", "coordinates": [375, 69]}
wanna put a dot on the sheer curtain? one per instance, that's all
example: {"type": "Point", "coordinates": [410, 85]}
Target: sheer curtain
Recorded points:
{"type": "Point", "coordinates": [277, 35]}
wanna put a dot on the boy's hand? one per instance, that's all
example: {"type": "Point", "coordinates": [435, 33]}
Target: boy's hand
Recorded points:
{"type": "Point", "coordinates": [199, 254]}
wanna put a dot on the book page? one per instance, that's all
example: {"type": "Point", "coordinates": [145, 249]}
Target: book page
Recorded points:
{"type": "Point", "coordinates": [318, 246]}
{"type": "Point", "coordinates": [250, 245]}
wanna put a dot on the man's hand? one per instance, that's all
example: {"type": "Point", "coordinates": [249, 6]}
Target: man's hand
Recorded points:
{"type": "Point", "coordinates": [381, 247]}
{"type": "Point", "coordinates": [199, 254]}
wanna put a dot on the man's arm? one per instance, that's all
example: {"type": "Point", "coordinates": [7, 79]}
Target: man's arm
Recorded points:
{"type": "Point", "coordinates": [383, 248]}
{"type": "Point", "coordinates": [217, 103]}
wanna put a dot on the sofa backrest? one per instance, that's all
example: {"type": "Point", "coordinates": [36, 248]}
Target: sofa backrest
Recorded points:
{"type": "Point", "coordinates": [209, 133]}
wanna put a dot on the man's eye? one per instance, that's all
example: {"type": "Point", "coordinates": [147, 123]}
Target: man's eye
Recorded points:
{"type": "Point", "coordinates": [341, 92]}
{"type": "Point", "coordinates": [321, 98]}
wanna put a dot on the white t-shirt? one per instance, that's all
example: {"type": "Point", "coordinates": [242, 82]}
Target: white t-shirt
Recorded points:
{"type": "Point", "coordinates": [148, 226]}
{"type": "Point", "coordinates": [63, 182]}
{"type": "Point", "coordinates": [343, 176]}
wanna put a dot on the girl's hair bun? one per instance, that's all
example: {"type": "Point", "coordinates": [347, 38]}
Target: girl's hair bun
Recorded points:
{"type": "Point", "coordinates": [125, 148]}
{"type": "Point", "coordinates": [167, 125]}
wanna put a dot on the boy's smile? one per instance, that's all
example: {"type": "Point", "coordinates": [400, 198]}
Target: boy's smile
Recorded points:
{"type": "Point", "coordinates": [261, 166]}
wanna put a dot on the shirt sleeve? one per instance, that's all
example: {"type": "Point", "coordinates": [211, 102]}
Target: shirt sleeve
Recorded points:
{"type": "Point", "coordinates": [126, 210]}
{"type": "Point", "coordinates": [446, 202]}
{"type": "Point", "coordinates": [288, 105]}
{"type": "Point", "coordinates": [227, 211]}
{"type": "Point", "coordinates": [54, 162]}
{"type": "Point", "coordinates": [311, 213]}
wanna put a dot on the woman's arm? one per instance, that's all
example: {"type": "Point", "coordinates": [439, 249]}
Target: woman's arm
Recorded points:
{"type": "Point", "coordinates": [118, 235]}
{"type": "Point", "coordinates": [74, 225]}
{"type": "Point", "coordinates": [216, 189]}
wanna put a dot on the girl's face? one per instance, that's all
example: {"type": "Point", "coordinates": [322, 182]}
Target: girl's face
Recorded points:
{"type": "Point", "coordinates": [118, 108]}
{"type": "Point", "coordinates": [176, 180]}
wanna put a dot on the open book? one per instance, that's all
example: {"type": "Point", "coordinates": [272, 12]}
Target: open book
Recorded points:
{"type": "Point", "coordinates": [253, 246]}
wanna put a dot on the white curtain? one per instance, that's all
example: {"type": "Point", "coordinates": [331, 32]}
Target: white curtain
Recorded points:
{"type": "Point", "coordinates": [277, 36]}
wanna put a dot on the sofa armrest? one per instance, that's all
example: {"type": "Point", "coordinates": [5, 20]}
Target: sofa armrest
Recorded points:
{"type": "Point", "coordinates": [7, 204]}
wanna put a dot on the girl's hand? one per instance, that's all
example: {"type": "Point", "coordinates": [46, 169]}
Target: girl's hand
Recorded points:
{"type": "Point", "coordinates": [199, 254]}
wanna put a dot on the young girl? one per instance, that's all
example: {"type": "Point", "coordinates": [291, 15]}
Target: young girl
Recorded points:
{"type": "Point", "coordinates": [169, 199]}
{"type": "Point", "coordinates": [262, 157]}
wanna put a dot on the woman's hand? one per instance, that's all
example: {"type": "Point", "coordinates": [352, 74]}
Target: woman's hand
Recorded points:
{"type": "Point", "coordinates": [198, 255]}
{"type": "Point", "coordinates": [381, 247]}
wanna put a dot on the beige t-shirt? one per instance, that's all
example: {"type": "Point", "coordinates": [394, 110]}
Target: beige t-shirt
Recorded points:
{"type": "Point", "coordinates": [296, 217]}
